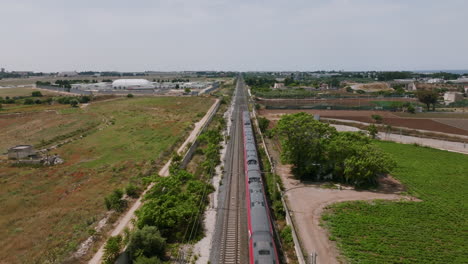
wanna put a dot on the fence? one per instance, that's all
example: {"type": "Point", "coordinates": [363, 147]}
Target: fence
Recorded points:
{"type": "Point", "coordinates": [188, 155]}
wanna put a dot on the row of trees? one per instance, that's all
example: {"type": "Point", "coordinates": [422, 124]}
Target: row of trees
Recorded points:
{"type": "Point", "coordinates": [317, 151]}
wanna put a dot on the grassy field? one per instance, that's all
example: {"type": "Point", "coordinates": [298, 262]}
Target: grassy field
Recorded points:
{"type": "Point", "coordinates": [47, 212]}
{"type": "Point", "coordinates": [432, 231]}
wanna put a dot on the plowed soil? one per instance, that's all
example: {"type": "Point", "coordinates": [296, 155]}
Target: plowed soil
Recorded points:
{"type": "Point", "coordinates": [456, 126]}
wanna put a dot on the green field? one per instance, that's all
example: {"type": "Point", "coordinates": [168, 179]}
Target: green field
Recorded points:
{"type": "Point", "coordinates": [432, 231]}
{"type": "Point", "coordinates": [46, 212]}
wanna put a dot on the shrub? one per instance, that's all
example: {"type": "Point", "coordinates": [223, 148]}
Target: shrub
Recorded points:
{"type": "Point", "coordinates": [36, 94]}
{"type": "Point", "coordinates": [132, 190]}
{"type": "Point", "coordinates": [377, 118]}
{"type": "Point", "coordinates": [145, 260]}
{"type": "Point", "coordinates": [115, 202]}
{"type": "Point", "coordinates": [129, 95]}
{"type": "Point", "coordinates": [372, 129]}
{"type": "Point", "coordinates": [112, 249]}
{"type": "Point", "coordinates": [146, 242]}
{"type": "Point", "coordinates": [85, 99]}
{"type": "Point", "coordinates": [28, 101]}
{"type": "Point", "coordinates": [286, 235]}
{"type": "Point", "coordinates": [74, 103]}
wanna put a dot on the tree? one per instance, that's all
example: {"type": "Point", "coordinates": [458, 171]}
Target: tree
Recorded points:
{"type": "Point", "coordinates": [74, 103]}
{"type": "Point", "coordinates": [411, 109]}
{"type": "Point", "coordinates": [303, 140]}
{"type": "Point", "coordinates": [366, 165]}
{"type": "Point", "coordinates": [177, 86]}
{"type": "Point", "coordinates": [373, 131]}
{"type": "Point", "coordinates": [428, 98]}
{"type": "Point", "coordinates": [187, 90]}
{"type": "Point", "coordinates": [36, 94]}
{"type": "Point", "coordinates": [263, 123]}
{"type": "Point", "coordinates": [112, 249]}
{"type": "Point", "coordinates": [146, 242]}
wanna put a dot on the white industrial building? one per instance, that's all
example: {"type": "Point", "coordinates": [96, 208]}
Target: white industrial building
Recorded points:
{"type": "Point", "coordinates": [132, 84]}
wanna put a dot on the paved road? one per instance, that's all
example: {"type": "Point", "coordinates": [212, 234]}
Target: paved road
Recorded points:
{"type": "Point", "coordinates": [231, 235]}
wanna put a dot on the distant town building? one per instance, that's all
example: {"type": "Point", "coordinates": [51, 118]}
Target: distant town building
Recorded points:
{"type": "Point", "coordinates": [435, 80]}
{"type": "Point", "coordinates": [452, 97]}
{"type": "Point", "coordinates": [21, 152]}
{"type": "Point", "coordinates": [67, 74]}
{"type": "Point", "coordinates": [279, 86]}
{"type": "Point", "coordinates": [22, 73]}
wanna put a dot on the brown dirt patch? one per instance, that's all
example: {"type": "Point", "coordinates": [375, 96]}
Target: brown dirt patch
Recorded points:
{"type": "Point", "coordinates": [388, 118]}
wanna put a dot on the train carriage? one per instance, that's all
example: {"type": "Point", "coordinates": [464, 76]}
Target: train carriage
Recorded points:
{"type": "Point", "coordinates": [262, 247]}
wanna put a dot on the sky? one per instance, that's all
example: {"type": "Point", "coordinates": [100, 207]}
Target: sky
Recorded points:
{"type": "Point", "coordinates": [233, 35]}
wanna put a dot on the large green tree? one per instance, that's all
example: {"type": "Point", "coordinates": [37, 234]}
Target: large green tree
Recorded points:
{"type": "Point", "coordinates": [428, 97]}
{"type": "Point", "coordinates": [317, 151]}
{"type": "Point", "coordinates": [303, 142]}
{"type": "Point", "coordinates": [146, 242]}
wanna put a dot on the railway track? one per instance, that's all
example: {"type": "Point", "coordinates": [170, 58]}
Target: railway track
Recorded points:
{"type": "Point", "coordinates": [232, 240]}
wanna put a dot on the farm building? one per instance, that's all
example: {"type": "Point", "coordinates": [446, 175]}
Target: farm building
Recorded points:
{"type": "Point", "coordinates": [132, 84]}
{"type": "Point", "coordinates": [21, 152]}
{"type": "Point", "coordinates": [451, 97]}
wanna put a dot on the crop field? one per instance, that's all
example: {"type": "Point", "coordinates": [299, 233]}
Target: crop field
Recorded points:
{"type": "Point", "coordinates": [47, 211]}
{"type": "Point", "coordinates": [431, 231]}
{"type": "Point", "coordinates": [416, 121]}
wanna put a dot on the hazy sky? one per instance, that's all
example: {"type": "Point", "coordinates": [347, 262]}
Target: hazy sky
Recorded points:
{"type": "Point", "coordinates": [138, 35]}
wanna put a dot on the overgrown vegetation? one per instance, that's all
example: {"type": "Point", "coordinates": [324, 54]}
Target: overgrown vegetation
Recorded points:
{"type": "Point", "coordinates": [430, 231]}
{"type": "Point", "coordinates": [128, 140]}
{"type": "Point", "coordinates": [317, 151]}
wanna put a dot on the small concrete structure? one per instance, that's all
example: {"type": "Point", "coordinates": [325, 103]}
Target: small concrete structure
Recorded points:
{"type": "Point", "coordinates": [451, 97]}
{"type": "Point", "coordinates": [21, 152]}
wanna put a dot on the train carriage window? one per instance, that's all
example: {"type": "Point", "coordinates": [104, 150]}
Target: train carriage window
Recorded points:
{"type": "Point", "coordinates": [264, 252]}
{"type": "Point", "coordinates": [252, 162]}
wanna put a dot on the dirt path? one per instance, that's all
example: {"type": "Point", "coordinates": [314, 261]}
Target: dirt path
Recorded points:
{"type": "Point", "coordinates": [126, 220]}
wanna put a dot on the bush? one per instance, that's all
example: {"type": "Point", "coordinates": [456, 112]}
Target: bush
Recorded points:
{"type": "Point", "coordinates": [36, 94]}
{"type": "Point", "coordinates": [132, 190]}
{"type": "Point", "coordinates": [28, 101]}
{"type": "Point", "coordinates": [146, 242]}
{"type": "Point", "coordinates": [115, 202]}
{"type": "Point", "coordinates": [85, 99]}
{"type": "Point", "coordinates": [411, 109]}
{"type": "Point", "coordinates": [112, 249]}
{"type": "Point", "coordinates": [373, 131]}
{"type": "Point", "coordinates": [286, 235]}
{"type": "Point", "coordinates": [74, 103]}
{"type": "Point", "coordinates": [129, 95]}
{"type": "Point", "coordinates": [377, 118]}
{"type": "Point", "coordinates": [145, 260]}
{"type": "Point", "coordinates": [263, 123]}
